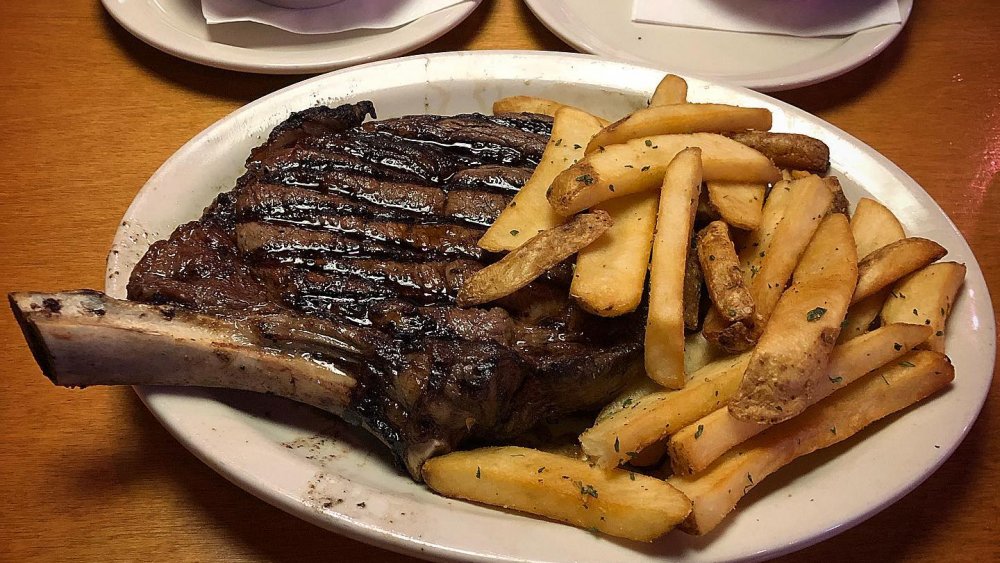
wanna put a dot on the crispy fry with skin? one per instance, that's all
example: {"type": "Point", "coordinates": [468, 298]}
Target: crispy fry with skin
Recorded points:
{"type": "Point", "coordinates": [874, 226]}
{"type": "Point", "coordinates": [892, 262]}
{"type": "Point", "coordinates": [788, 364]}
{"type": "Point", "coordinates": [617, 502]}
{"type": "Point", "coordinates": [723, 277]}
{"type": "Point", "coordinates": [787, 150]}
{"type": "Point", "coordinates": [680, 118]}
{"type": "Point", "coordinates": [926, 297]}
{"type": "Point", "coordinates": [808, 201]}
{"type": "Point", "coordinates": [671, 242]}
{"type": "Point", "coordinates": [734, 337]}
{"type": "Point", "coordinates": [537, 256]}
{"type": "Point", "coordinates": [696, 446]}
{"type": "Point", "coordinates": [610, 274]}
{"type": "Point", "coordinates": [738, 204]}
{"type": "Point", "coordinates": [529, 212]}
{"type": "Point", "coordinates": [716, 491]}
{"type": "Point", "coordinates": [840, 203]}
{"type": "Point", "coordinates": [639, 165]}
{"type": "Point", "coordinates": [646, 421]}
{"type": "Point", "coordinates": [671, 90]}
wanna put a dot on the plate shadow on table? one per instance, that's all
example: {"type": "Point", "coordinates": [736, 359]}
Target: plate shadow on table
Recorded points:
{"type": "Point", "coordinates": [847, 88]}
{"type": "Point", "coordinates": [265, 532]}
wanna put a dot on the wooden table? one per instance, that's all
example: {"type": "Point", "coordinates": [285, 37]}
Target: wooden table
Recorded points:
{"type": "Point", "coordinates": [88, 113]}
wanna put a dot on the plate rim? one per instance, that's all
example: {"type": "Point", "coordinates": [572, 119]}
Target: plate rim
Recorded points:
{"type": "Point", "coordinates": [541, 9]}
{"type": "Point", "coordinates": [388, 540]}
{"type": "Point", "coordinates": [159, 34]}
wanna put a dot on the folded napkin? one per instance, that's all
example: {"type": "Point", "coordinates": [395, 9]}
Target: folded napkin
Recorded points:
{"type": "Point", "coordinates": [342, 16]}
{"type": "Point", "coordinates": [803, 18]}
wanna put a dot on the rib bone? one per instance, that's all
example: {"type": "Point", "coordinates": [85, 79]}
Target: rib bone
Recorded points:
{"type": "Point", "coordinates": [82, 338]}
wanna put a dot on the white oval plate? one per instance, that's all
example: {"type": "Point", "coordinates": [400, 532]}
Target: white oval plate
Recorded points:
{"type": "Point", "coordinates": [178, 27]}
{"type": "Point", "coordinates": [763, 62]}
{"type": "Point", "coordinates": [274, 449]}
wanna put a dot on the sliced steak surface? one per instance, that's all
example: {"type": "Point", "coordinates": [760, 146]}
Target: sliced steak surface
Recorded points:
{"type": "Point", "coordinates": [349, 241]}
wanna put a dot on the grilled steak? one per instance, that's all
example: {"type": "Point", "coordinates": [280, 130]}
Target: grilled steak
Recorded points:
{"type": "Point", "coordinates": [347, 242]}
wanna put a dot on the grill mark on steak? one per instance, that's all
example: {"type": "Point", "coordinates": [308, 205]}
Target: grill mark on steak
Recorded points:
{"type": "Point", "coordinates": [350, 243]}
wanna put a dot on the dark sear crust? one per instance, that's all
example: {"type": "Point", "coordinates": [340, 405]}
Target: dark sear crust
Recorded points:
{"type": "Point", "coordinates": [372, 229]}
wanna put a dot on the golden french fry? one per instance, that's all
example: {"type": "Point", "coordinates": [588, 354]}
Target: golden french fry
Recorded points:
{"type": "Point", "coordinates": [680, 118]}
{"type": "Point", "coordinates": [622, 435]}
{"type": "Point", "coordinates": [529, 212]}
{"type": "Point", "coordinates": [540, 254]}
{"type": "Point", "coordinates": [671, 241]}
{"type": "Point", "coordinates": [874, 226]}
{"type": "Point", "coordinates": [807, 203]}
{"type": "Point", "coordinates": [723, 277]}
{"type": "Point", "coordinates": [892, 262]}
{"type": "Point", "coordinates": [617, 502]}
{"type": "Point", "coordinates": [787, 150]}
{"type": "Point", "coordinates": [739, 204]}
{"type": "Point", "coordinates": [696, 446]}
{"type": "Point", "coordinates": [610, 274]}
{"type": "Point", "coordinates": [671, 90]}
{"type": "Point", "coordinates": [861, 315]}
{"type": "Point", "coordinates": [926, 297]}
{"type": "Point", "coordinates": [527, 104]}
{"type": "Point", "coordinates": [789, 363]}
{"type": "Point", "coordinates": [754, 247]}
{"type": "Point", "coordinates": [639, 165]}
{"type": "Point", "coordinates": [716, 491]}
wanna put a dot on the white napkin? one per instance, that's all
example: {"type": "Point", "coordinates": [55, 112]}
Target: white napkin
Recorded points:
{"type": "Point", "coordinates": [803, 18]}
{"type": "Point", "coordinates": [342, 16]}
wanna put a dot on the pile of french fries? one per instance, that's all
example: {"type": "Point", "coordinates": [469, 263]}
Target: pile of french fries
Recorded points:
{"type": "Point", "coordinates": [819, 322]}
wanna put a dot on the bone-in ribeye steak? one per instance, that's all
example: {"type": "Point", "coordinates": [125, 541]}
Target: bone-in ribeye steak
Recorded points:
{"type": "Point", "coordinates": [342, 232]}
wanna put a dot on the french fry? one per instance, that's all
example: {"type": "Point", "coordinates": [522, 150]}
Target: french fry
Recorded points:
{"type": "Point", "coordinates": [723, 277]}
{"type": "Point", "coordinates": [840, 203]}
{"type": "Point", "coordinates": [675, 219]}
{"type": "Point", "coordinates": [639, 165]}
{"type": "Point", "coordinates": [699, 352]}
{"type": "Point", "coordinates": [892, 262]}
{"type": "Point", "coordinates": [610, 274]}
{"type": "Point", "coordinates": [622, 435]}
{"type": "Point", "coordinates": [787, 150]}
{"type": "Point", "coordinates": [529, 212]}
{"type": "Point", "coordinates": [755, 245]}
{"type": "Point", "coordinates": [671, 90]}
{"type": "Point", "coordinates": [635, 390]}
{"type": "Point", "coordinates": [860, 316]}
{"type": "Point", "coordinates": [926, 297]}
{"type": "Point", "coordinates": [716, 491]}
{"type": "Point", "coordinates": [789, 363]}
{"type": "Point", "coordinates": [527, 104]}
{"type": "Point", "coordinates": [733, 337]}
{"type": "Point", "coordinates": [617, 502]}
{"type": "Point", "coordinates": [739, 204]}
{"type": "Point", "coordinates": [694, 447]}
{"type": "Point", "coordinates": [874, 226]}
{"type": "Point", "coordinates": [808, 201]}
{"type": "Point", "coordinates": [540, 254]}
{"type": "Point", "coordinates": [680, 118]}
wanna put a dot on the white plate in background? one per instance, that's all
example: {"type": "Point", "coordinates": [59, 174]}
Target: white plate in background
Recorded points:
{"type": "Point", "coordinates": [763, 62]}
{"type": "Point", "coordinates": [317, 468]}
{"type": "Point", "coordinates": [178, 27]}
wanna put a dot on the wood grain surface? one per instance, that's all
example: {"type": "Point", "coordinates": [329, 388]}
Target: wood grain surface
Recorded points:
{"type": "Point", "coordinates": [88, 113]}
